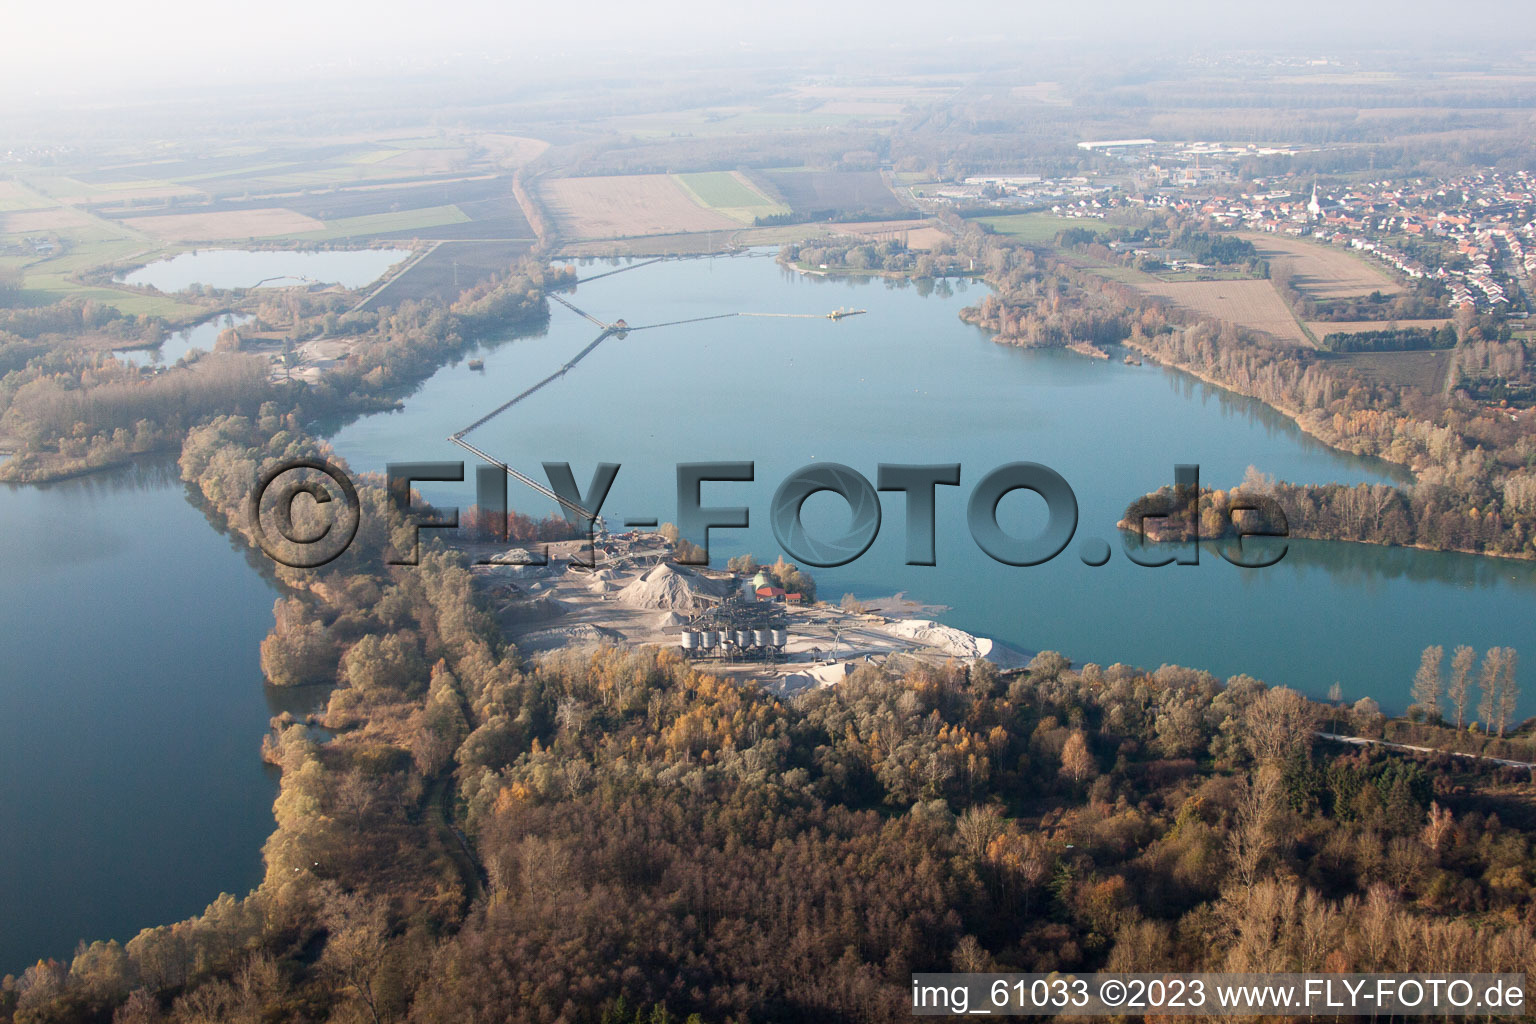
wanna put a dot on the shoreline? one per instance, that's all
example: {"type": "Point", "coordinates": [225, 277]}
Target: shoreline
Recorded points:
{"type": "Point", "coordinates": [1295, 419]}
{"type": "Point", "coordinates": [1290, 414]}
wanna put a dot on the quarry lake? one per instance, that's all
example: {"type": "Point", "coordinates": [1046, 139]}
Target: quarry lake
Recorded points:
{"type": "Point", "coordinates": [131, 700]}
{"type": "Point", "coordinates": [908, 382]}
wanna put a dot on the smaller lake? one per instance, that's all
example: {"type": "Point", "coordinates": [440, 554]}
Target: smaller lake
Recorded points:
{"type": "Point", "coordinates": [204, 336]}
{"type": "Point", "coordinates": [270, 268]}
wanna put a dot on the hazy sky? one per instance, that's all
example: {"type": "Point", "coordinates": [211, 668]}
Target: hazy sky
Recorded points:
{"type": "Point", "coordinates": [84, 45]}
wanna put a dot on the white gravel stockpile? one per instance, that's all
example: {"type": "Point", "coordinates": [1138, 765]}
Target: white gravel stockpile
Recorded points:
{"type": "Point", "coordinates": [669, 587]}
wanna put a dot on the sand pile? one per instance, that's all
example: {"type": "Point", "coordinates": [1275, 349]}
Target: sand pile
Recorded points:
{"type": "Point", "coordinates": [813, 677]}
{"type": "Point", "coordinates": [517, 556]}
{"type": "Point", "coordinates": [670, 586]}
{"type": "Point", "coordinates": [666, 619]}
{"type": "Point", "coordinates": [956, 643]}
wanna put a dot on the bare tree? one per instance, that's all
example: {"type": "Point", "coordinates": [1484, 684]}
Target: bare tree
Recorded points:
{"type": "Point", "coordinates": [140, 1008]}
{"type": "Point", "coordinates": [355, 950]}
{"type": "Point", "coordinates": [1460, 690]}
{"type": "Point", "coordinates": [977, 827]}
{"type": "Point", "coordinates": [1509, 690]}
{"type": "Point", "coordinates": [1277, 725]}
{"type": "Point", "coordinates": [1490, 680]}
{"type": "Point", "coordinates": [1077, 762]}
{"type": "Point", "coordinates": [1252, 836]}
{"type": "Point", "coordinates": [1427, 681]}
{"type": "Point", "coordinates": [1438, 829]}
{"type": "Point", "coordinates": [970, 957]}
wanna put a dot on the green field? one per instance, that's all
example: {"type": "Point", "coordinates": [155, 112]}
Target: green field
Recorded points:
{"type": "Point", "coordinates": [99, 243]}
{"type": "Point", "coordinates": [1033, 228]}
{"type": "Point", "coordinates": [728, 193]}
{"type": "Point", "coordinates": [384, 223]}
{"type": "Point", "coordinates": [722, 189]}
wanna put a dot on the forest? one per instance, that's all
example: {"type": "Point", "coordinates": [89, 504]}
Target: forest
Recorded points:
{"type": "Point", "coordinates": [646, 842]}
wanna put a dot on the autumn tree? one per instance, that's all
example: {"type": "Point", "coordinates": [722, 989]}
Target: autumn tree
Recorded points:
{"type": "Point", "coordinates": [977, 827]}
{"type": "Point", "coordinates": [356, 947]}
{"type": "Point", "coordinates": [391, 663]}
{"type": "Point", "coordinates": [1277, 724]}
{"type": "Point", "coordinates": [742, 565]}
{"type": "Point", "coordinates": [1077, 761]}
{"type": "Point", "coordinates": [1251, 839]}
{"type": "Point", "coordinates": [1509, 689]}
{"type": "Point", "coordinates": [1427, 681]}
{"type": "Point", "coordinates": [1460, 689]}
{"type": "Point", "coordinates": [1500, 694]}
{"type": "Point", "coordinates": [299, 649]}
{"type": "Point", "coordinates": [441, 726]}
{"type": "Point", "coordinates": [1437, 830]}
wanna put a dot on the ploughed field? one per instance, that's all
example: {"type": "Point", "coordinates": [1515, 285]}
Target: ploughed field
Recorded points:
{"type": "Point", "coordinates": [1425, 370]}
{"type": "Point", "coordinates": [1252, 304]}
{"type": "Point", "coordinates": [1323, 271]}
{"type": "Point", "coordinates": [813, 192]}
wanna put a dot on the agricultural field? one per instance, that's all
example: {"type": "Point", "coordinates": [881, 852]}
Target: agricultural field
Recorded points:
{"type": "Point", "coordinates": [212, 227]}
{"type": "Point", "coordinates": [84, 243]}
{"type": "Point", "coordinates": [1252, 304]}
{"type": "Point", "coordinates": [1034, 228]}
{"type": "Point", "coordinates": [15, 197]}
{"type": "Point", "coordinates": [1323, 271]}
{"type": "Point", "coordinates": [450, 186]}
{"type": "Point", "coordinates": [480, 207]}
{"type": "Point", "coordinates": [1041, 92]}
{"type": "Point", "coordinates": [817, 194]}
{"type": "Point", "coordinates": [59, 218]}
{"type": "Point", "coordinates": [510, 150]}
{"type": "Point", "coordinates": [1322, 327]}
{"type": "Point", "coordinates": [76, 192]}
{"type": "Point", "coordinates": [400, 224]}
{"type": "Point", "coordinates": [1424, 370]}
{"type": "Point", "coordinates": [447, 270]}
{"type": "Point", "coordinates": [732, 194]}
{"type": "Point", "coordinates": [625, 206]}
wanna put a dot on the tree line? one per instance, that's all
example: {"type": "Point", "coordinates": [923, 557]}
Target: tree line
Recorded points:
{"type": "Point", "coordinates": [1495, 680]}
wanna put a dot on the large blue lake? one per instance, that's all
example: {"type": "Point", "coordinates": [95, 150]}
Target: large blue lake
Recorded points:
{"type": "Point", "coordinates": [908, 382]}
{"type": "Point", "coordinates": [131, 702]}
